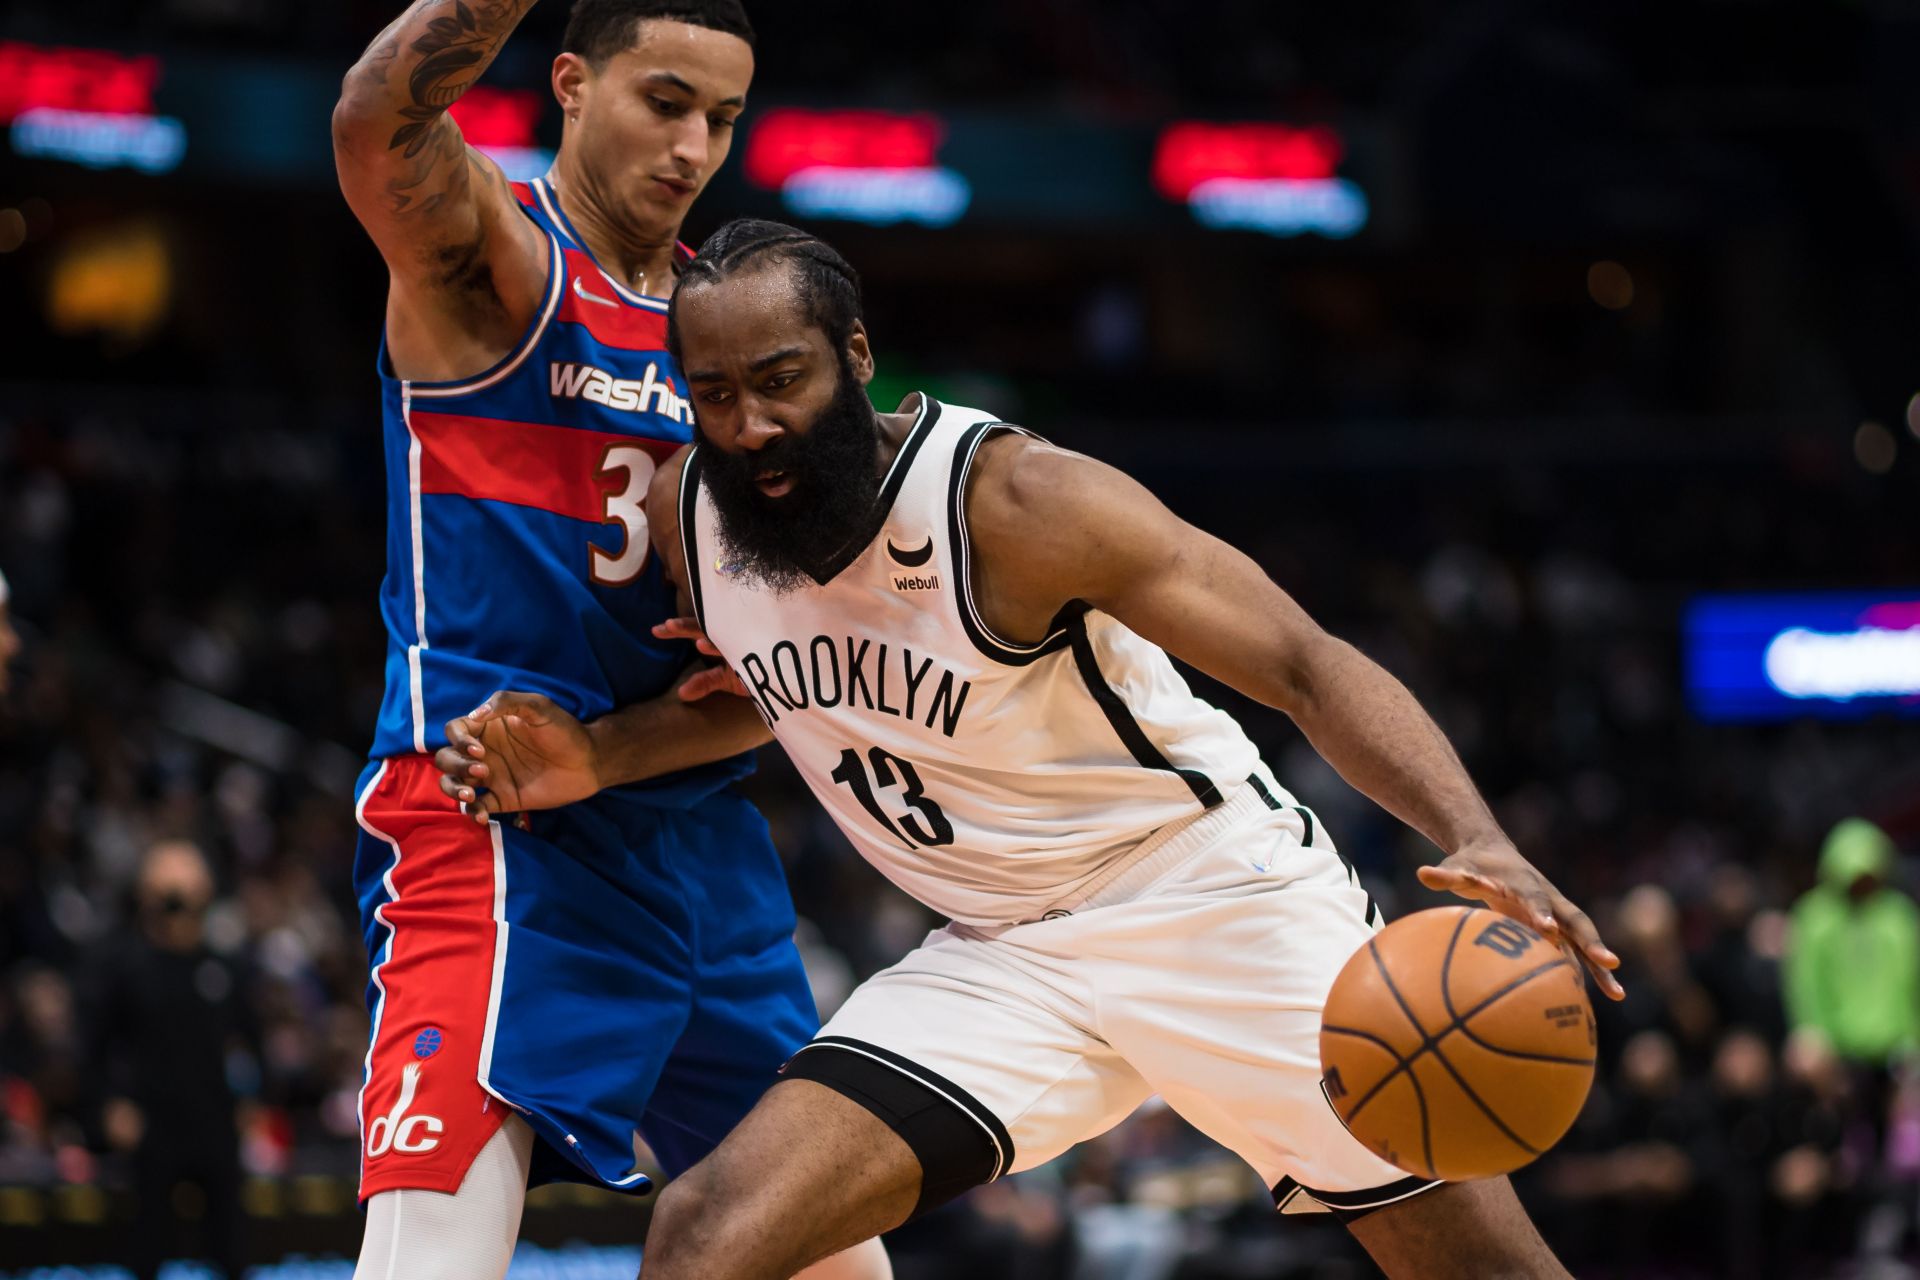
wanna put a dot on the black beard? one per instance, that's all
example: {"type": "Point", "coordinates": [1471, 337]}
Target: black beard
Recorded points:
{"type": "Point", "coordinates": [791, 541]}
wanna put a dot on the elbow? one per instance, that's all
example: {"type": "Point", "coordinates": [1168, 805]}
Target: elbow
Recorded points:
{"type": "Point", "coordinates": [359, 114]}
{"type": "Point", "coordinates": [1308, 671]}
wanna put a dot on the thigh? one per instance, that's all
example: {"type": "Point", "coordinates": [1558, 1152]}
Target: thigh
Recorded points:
{"type": "Point", "coordinates": [1000, 1035]}
{"type": "Point", "coordinates": [533, 971]}
{"type": "Point", "coordinates": [809, 1173]}
{"type": "Point", "coordinates": [751, 1005]}
{"type": "Point", "coordinates": [429, 884]}
{"type": "Point", "coordinates": [749, 1016]}
{"type": "Point", "coordinates": [1212, 986]}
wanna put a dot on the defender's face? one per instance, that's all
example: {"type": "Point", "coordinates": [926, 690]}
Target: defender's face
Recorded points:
{"type": "Point", "coordinates": [656, 121]}
{"type": "Point", "coordinates": [762, 373]}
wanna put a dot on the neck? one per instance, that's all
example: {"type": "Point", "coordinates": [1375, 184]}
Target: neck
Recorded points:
{"type": "Point", "coordinates": [639, 259]}
{"type": "Point", "coordinates": [894, 429]}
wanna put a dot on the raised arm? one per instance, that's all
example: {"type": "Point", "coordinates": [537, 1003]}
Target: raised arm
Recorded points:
{"type": "Point", "coordinates": [467, 268]}
{"type": "Point", "coordinates": [1051, 526]}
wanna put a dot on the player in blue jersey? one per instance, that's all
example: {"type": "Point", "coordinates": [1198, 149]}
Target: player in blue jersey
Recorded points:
{"type": "Point", "coordinates": [545, 994]}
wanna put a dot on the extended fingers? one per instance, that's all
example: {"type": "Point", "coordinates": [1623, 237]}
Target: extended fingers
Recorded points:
{"type": "Point", "coordinates": [479, 807]}
{"type": "Point", "coordinates": [710, 681]}
{"type": "Point", "coordinates": [687, 629]}
{"type": "Point", "coordinates": [1456, 880]}
{"type": "Point", "coordinates": [463, 734]}
{"type": "Point", "coordinates": [1599, 959]}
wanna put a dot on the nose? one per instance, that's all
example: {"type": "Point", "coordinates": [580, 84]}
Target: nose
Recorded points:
{"type": "Point", "coordinates": [757, 427]}
{"type": "Point", "coordinates": [690, 146]}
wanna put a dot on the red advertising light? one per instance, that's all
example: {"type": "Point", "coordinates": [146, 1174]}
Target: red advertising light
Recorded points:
{"type": "Point", "coordinates": [789, 140]}
{"type": "Point", "coordinates": [68, 79]}
{"type": "Point", "coordinates": [497, 117]}
{"type": "Point", "coordinates": [1192, 152]}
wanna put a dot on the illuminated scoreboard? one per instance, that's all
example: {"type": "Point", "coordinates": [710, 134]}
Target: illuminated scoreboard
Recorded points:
{"type": "Point", "coordinates": [88, 107]}
{"type": "Point", "coordinates": [265, 123]}
{"type": "Point", "coordinates": [1277, 178]}
{"type": "Point", "coordinates": [864, 166]}
{"type": "Point", "coordinates": [1825, 655]}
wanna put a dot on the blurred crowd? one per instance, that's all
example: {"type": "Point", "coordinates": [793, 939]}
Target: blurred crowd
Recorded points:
{"type": "Point", "coordinates": [182, 977]}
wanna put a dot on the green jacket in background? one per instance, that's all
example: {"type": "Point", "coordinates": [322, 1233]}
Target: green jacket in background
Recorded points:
{"type": "Point", "coordinates": [1853, 967]}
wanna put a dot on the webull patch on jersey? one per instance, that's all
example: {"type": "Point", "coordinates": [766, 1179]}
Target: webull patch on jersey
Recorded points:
{"type": "Point", "coordinates": [914, 581]}
{"type": "Point", "coordinates": [865, 675]}
{"type": "Point", "coordinates": [649, 393]}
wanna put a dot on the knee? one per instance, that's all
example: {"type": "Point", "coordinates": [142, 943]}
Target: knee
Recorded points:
{"type": "Point", "coordinates": [694, 1232]}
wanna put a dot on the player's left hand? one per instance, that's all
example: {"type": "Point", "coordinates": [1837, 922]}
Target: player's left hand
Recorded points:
{"type": "Point", "coordinates": [715, 679]}
{"type": "Point", "coordinates": [1493, 872]}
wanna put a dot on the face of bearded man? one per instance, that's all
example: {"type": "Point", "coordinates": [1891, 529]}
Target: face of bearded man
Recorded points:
{"type": "Point", "coordinates": [786, 542]}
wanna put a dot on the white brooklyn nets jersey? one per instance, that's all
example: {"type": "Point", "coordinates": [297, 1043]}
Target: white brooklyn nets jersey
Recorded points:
{"type": "Point", "coordinates": [987, 779]}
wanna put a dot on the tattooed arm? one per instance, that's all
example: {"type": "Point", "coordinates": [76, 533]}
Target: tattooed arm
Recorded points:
{"type": "Point", "coordinates": [467, 268]}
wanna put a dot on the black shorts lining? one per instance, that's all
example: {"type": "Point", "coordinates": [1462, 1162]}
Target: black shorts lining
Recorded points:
{"type": "Point", "coordinates": [959, 1143]}
{"type": "Point", "coordinates": [1350, 1206]}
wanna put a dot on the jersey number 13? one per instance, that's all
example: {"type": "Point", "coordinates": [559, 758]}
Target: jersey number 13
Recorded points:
{"type": "Point", "coordinates": [925, 825]}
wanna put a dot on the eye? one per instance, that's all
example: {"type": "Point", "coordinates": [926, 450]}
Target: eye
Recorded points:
{"type": "Point", "coordinates": [781, 381]}
{"type": "Point", "coordinates": [667, 106]}
{"type": "Point", "coordinates": [720, 124]}
{"type": "Point", "coordinates": [714, 395]}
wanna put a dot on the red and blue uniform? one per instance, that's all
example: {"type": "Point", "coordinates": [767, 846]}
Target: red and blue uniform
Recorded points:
{"type": "Point", "coordinates": [621, 965]}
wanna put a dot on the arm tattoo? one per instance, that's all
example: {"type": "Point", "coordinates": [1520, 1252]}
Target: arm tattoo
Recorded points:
{"type": "Point", "coordinates": [451, 53]}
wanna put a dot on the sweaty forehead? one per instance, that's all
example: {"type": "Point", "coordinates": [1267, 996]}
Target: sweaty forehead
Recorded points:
{"type": "Point", "coordinates": [716, 65]}
{"type": "Point", "coordinates": [742, 316]}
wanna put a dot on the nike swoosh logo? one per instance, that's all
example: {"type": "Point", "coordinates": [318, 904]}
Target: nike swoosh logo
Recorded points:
{"type": "Point", "coordinates": [580, 287]}
{"type": "Point", "coordinates": [912, 559]}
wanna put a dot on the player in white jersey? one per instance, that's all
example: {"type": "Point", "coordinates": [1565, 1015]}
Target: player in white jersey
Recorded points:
{"type": "Point", "coordinates": [955, 630]}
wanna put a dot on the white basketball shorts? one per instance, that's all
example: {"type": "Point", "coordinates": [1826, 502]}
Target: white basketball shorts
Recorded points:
{"type": "Point", "coordinates": [1197, 972]}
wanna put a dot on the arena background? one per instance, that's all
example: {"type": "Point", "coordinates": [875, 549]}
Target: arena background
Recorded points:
{"type": "Point", "coordinates": [1508, 337]}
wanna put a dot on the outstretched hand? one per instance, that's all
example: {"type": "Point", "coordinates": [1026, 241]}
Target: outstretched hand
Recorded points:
{"type": "Point", "coordinates": [1494, 873]}
{"type": "Point", "coordinates": [719, 678]}
{"type": "Point", "coordinates": [514, 752]}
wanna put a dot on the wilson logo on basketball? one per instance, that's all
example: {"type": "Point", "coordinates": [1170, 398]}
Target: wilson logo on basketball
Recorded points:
{"type": "Point", "coordinates": [398, 1131]}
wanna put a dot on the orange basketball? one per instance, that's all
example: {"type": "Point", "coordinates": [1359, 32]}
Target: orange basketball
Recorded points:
{"type": "Point", "coordinates": [1457, 1043]}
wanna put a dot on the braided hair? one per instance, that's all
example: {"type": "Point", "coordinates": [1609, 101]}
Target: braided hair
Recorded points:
{"type": "Point", "coordinates": [828, 286]}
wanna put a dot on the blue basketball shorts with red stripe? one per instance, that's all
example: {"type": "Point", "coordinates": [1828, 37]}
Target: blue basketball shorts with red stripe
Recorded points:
{"type": "Point", "coordinates": [612, 970]}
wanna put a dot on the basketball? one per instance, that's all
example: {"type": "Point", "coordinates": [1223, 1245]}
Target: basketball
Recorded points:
{"type": "Point", "coordinates": [1458, 1043]}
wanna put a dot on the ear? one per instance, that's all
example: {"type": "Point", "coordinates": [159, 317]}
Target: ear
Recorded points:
{"type": "Point", "coordinates": [572, 78]}
{"type": "Point", "coordinates": [859, 354]}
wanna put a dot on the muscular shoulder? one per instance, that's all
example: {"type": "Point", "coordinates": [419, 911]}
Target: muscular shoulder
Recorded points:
{"type": "Point", "coordinates": [1050, 522]}
{"type": "Point", "coordinates": [1029, 497]}
{"type": "Point", "coordinates": [1015, 483]}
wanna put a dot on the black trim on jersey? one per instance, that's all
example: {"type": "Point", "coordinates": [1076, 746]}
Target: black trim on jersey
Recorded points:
{"type": "Point", "coordinates": [959, 1143]}
{"type": "Point", "coordinates": [1374, 917]}
{"type": "Point", "coordinates": [689, 511]}
{"type": "Point", "coordinates": [1351, 1205]}
{"type": "Point", "coordinates": [876, 523]}
{"type": "Point", "coordinates": [1121, 717]}
{"type": "Point", "coordinates": [1013, 655]}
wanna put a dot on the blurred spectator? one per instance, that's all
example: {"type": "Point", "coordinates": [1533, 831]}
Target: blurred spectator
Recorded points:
{"type": "Point", "coordinates": [168, 1014]}
{"type": "Point", "coordinates": [9, 638]}
{"type": "Point", "coordinates": [1853, 959]}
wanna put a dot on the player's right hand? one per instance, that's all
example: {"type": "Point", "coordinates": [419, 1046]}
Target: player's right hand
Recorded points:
{"type": "Point", "coordinates": [515, 752]}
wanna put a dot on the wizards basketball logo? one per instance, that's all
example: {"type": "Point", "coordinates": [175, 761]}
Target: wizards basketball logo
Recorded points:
{"type": "Point", "coordinates": [398, 1131]}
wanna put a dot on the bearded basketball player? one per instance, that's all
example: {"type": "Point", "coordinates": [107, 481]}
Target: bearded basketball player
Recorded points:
{"type": "Point", "coordinates": [961, 636]}
{"type": "Point", "coordinates": [542, 993]}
